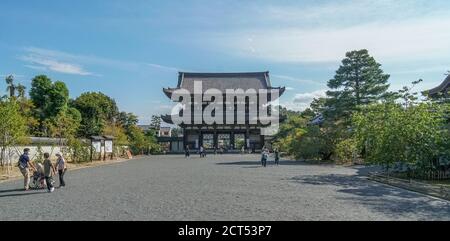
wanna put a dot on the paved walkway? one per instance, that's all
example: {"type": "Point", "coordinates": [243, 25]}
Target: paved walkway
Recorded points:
{"type": "Point", "coordinates": [225, 187]}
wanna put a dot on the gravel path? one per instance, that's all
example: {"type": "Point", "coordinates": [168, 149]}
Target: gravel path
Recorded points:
{"type": "Point", "coordinates": [225, 187]}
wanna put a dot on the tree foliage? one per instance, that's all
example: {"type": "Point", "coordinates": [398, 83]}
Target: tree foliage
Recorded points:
{"type": "Point", "coordinates": [127, 120]}
{"type": "Point", "coordinates": [138, 141]}
{"type": "Point", "coordinates": [389, 133]}
{"type": "Point", "coordinates": [361, 120]}
{"type": "Point", "coordinates": [65, 125]}
{"type": "Point", "coordinates": [97, 109]}
{"type": "Point", "coordinates": [13, 128]}
{"type": "Point", "coordinates": [48, 97]}
{"type": "Point", "coordinates": [118, 131]}
{"type": "Point", "coordinates": [358, 81]}
{"type": "Point", "coordinates": [155, 122]}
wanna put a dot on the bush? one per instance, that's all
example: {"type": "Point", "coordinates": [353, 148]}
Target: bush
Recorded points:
{"type": "Point", "coordinates": [346, 151]}
{"type": "Point", "coordinates": [304, 141]}
{"type": "Point", "coordinates": [415, 136]}
{"type": "Point", "coordinates": [78, 151]}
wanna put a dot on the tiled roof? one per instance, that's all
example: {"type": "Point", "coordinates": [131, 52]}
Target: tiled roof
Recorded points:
{"type": "Point", "coordinates": [223, 81]}
{"type": "Point", "coordinates": [442, 87]}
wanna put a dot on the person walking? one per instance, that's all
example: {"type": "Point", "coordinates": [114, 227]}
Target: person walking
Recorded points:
{"type": "Point", "coordinates": [61, 166]}
{"type": "Point", "coordinates": [186, 152]}
{"type": "Point", "coordinates": [24, 164]}
{"type": "Point", "coordinates": [49, 171]}
{"type": "Point", "coordinates": [277, 156]}
{"type": "Point", "coordinates": [264, 156]}
{"type": "Point", "coordinates": [201, 150]}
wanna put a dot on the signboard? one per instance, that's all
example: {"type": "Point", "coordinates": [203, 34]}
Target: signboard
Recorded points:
{"type": "Point", "coordinates": [108, 146]}
{"type": "Point", "coordinates": [97, 146]}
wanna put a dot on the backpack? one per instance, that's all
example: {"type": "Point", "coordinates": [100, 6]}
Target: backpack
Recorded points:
{"type": "Point", "coordinates": [20, 162]}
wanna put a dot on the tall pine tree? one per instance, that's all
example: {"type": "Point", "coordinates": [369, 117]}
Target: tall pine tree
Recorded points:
{"type": "Point", "coordinates": [358, 81]}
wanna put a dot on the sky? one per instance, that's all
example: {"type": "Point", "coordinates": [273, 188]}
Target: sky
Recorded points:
{"type": "Point", "coordinates": [131, 49]}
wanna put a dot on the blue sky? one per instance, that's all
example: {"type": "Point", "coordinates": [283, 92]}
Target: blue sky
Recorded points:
{"type": "Point", "coordinates": [131, 49]}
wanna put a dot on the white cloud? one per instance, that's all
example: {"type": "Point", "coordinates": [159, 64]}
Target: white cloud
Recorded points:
{"type": "Point", "coordinates": [48, 64]}
{"type": "Point", "coordinates": [420, 39]}
{"type": "Point", "coordinates": [298, 80]}
{"type": "Point", "coordinates": [308, 97]}
{"type": "Point", "coordinates": [301, 101]}
{"type": "Point", "coordinates": [391, 30]}
{"type": "Point", "coordinates": [344, 12]}
{"type": "Point", "coordinates": [36, 67]}
{"type": "Point", "coordinates": [422, 69]}
{"type": "Point", "coordinates": [168, 68]}
{"type": "Point", "coordinates": [16, 76]}
{"type": "Point", "coordinates": [50, 60]}
{"type": "Point", "coordinates": [289, 88]}
{"type": "Point", "coordinates": [63, 62]}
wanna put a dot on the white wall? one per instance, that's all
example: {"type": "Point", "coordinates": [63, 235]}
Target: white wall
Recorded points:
{"type": "Point", "coordinates": [13, 155]}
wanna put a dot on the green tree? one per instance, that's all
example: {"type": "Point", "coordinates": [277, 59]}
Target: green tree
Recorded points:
{"type": "Point", "coordinates": [65, 125]}
{"type": "Point", "coordinates": [27, 108]}
{"type": "Point", "coordinates": [58, 98]}
{"type": "Point", "coordinates": [317, 106]}
{"type": "Point", "coordinates": [153, 146]}
{"type": "Point", "coordinates": [39, 94]}
{"type": "Point", "coordinates": [49, 98]}
{"type": "Point", "coordinates": [118, 131]}
{"type": "Point", "coordinates": [127, 120]}
{"type": "Point", "coordinates": [414, 136]}
{"type": "Point", "coordinates": [155, 123]}
{"type": "Point", "coordinates": [21, 91]}
{"type": "Point", "coordinates": [358, 81]}
{"type": "Point", "coordinates": [11, 88]}
{"type": "Point", "coordinates": [13, 129]}
{"type": "Point", "coordinates": [406, 95]}
{"type": "Point", "coordinates": [97, 110]}
{"type": "Point", "coordinates": [139, 143]}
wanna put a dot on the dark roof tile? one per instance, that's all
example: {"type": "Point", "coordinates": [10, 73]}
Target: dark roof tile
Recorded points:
{"type": "Point", "coordinates": [223, 81]}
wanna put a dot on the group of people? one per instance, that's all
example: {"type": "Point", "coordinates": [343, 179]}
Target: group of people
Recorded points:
{"type": "Point", "coordinates": [201, 152]}
{"type": "Point", "coordinates": [48, 169]}
{"type": "Point", "coordinates": [265, 156]}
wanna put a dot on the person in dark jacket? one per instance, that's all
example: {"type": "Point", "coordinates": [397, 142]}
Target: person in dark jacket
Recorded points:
{"type": "Point", "coordinates": [24, 164]}
{"type": "Point", "coordinates": [277, 156]}
{"type": "Point", "coordinates": [187, 152]}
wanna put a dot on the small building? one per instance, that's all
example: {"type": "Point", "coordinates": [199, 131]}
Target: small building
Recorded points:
{"type": "Point", "coordinates": [443, 90]}
{"type": "Point", "coordinates": [165, 131]}
{"type": "Point", "coordinates": [224, 135]}
{"type": "Point", "coordinates": [171, 144]}
{"type": "Point", "coordinates": [101, 147]}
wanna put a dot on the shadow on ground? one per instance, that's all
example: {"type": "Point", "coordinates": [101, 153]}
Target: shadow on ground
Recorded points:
{"type": "Point", "coordinates": [391, 201]}
{"type": "Point", "coordinates": [19, 192]}
{"type": "Point", "coordinates": [11, 190]}
{"type": "Point", "coordinates": [258, 162]}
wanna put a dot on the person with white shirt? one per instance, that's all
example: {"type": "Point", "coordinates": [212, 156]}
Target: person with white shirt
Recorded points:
{"type": "Point", "coordinates": [61, 167]}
